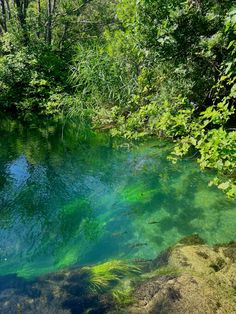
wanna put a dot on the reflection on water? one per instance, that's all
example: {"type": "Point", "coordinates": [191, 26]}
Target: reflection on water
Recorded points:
{"type": "Point", "coordinates": [78, 199]}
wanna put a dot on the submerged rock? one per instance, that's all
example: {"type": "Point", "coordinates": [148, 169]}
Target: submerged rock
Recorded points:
{"type": "Point", "coordinates": [63, 292]}
{"type": "Point", "coordinates": [188, 278]}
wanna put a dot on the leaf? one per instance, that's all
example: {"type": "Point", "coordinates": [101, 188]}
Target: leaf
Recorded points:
{"type": "Point", "coordinates": [224, 186]}
{"type": "Point", "coordinates": [233, 91]}
{"type": "Point", "coordinates": [231, 44]}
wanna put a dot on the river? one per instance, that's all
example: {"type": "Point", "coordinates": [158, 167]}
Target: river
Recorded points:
{"type": "Point", "coordinates": [74, 197]}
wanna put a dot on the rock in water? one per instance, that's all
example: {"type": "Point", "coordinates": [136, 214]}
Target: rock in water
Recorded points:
{"type": "Point", "coordinates": [201, 280]}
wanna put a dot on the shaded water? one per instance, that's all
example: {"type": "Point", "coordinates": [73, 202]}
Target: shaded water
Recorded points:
{"type": "Point", "coordinates": [75, 198]}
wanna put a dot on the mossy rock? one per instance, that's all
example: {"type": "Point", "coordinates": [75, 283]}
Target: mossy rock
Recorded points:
{"type": "Point", "coordinates": [189, 278]}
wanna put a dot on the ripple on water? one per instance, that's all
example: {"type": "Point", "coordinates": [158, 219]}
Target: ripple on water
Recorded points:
{"type": "Point", "coordinates": [72, 201]}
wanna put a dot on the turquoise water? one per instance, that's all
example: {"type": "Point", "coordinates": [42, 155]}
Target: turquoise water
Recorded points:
{"type": "Point", "coordinates": [73, 198]}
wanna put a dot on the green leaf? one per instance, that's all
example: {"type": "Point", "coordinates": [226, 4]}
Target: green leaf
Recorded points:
{"type": "Point", "coordinates": [224, 186]}
{"type": "Point", "coordinates": [233, 91]}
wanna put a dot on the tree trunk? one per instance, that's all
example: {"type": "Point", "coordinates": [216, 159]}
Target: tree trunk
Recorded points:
{"type": "Point", "coordinates": [8, 9]}
{"type": "Point", "coordinates": [21, 6]}
{"type": "Point", "coordinates": [51, 11]}
{"type": "Point", "coordinates": [20, 14]}
{"type": "Point", "coordinates": [4, 16]}
{"type": "Point", "coordinates": [39, 19]}
{"type": "Point", "coordinates": [49, 24]}
{"type": "Point", "coordinates": [25, 7]}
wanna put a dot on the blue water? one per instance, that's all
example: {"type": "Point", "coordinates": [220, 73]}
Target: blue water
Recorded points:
{"type": "Point", "coordinates": [70, 197]}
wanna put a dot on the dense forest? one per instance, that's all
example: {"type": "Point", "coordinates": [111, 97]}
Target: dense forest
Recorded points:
{"type": "Point", "coordinates": [135, 68]}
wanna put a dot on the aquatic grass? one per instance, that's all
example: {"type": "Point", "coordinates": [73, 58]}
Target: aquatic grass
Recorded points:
{"type": "Point", "coordinates": [77, 205]}
{"type": "Point", "coordinates": [68, 257]}
{"type": "Point", "coordinates": [92, 228]}
{"type": "Point", "coordinates": [107, 274]}
{"type": "Point", "coordinates": [137, 193]}
{"type": "Point", "coordinates": [162, 271]}
{"type": "Point", "coordinates": [122, 295]}
{"type": "Point", "coordinates": [31, 271]}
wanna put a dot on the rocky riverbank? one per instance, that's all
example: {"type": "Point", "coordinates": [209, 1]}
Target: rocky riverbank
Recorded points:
{"type": "Point", "coordinates": [201, 279]}
{"type": "Point", "coordinates": [189, 277]}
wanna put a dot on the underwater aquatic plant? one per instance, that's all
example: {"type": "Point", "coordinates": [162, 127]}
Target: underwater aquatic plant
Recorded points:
{"type": "Point", "coordinates": [68, 256]}
{"type": "Point", "coordinates": [123, 297]}
{"type": "Point", "coordinates": [123, 293]}
{"type": "Point", "coordinates": [162, 271]}
{"type": "Point", "coordinates": [104, 275]}
{"type": "Point", "coordinates": [137, 193]}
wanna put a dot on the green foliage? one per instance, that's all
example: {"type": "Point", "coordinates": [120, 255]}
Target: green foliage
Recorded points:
{"type": "Point", "coordinates": [100, 79]}
{"type": "Point", "coordinates": [30, 80]}
{"type": "Point", "coordinates": [211, 132]}
{"type": "Point", "coordinates": [139, 68]}
{"type": "Point", "coordinates": [186, 83]}
{"type": "Point", "coordinates": [36, 51]}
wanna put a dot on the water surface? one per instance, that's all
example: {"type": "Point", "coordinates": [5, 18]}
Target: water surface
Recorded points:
{"type": "Point", "coordinates": [68, 197]}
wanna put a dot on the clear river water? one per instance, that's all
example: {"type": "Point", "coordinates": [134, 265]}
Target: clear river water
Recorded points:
{"type": "Point", "coordinates": [70, 197]}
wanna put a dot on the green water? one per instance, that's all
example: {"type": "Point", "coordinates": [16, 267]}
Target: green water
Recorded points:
{"type": "Point", "coordinates": [72, 198]}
